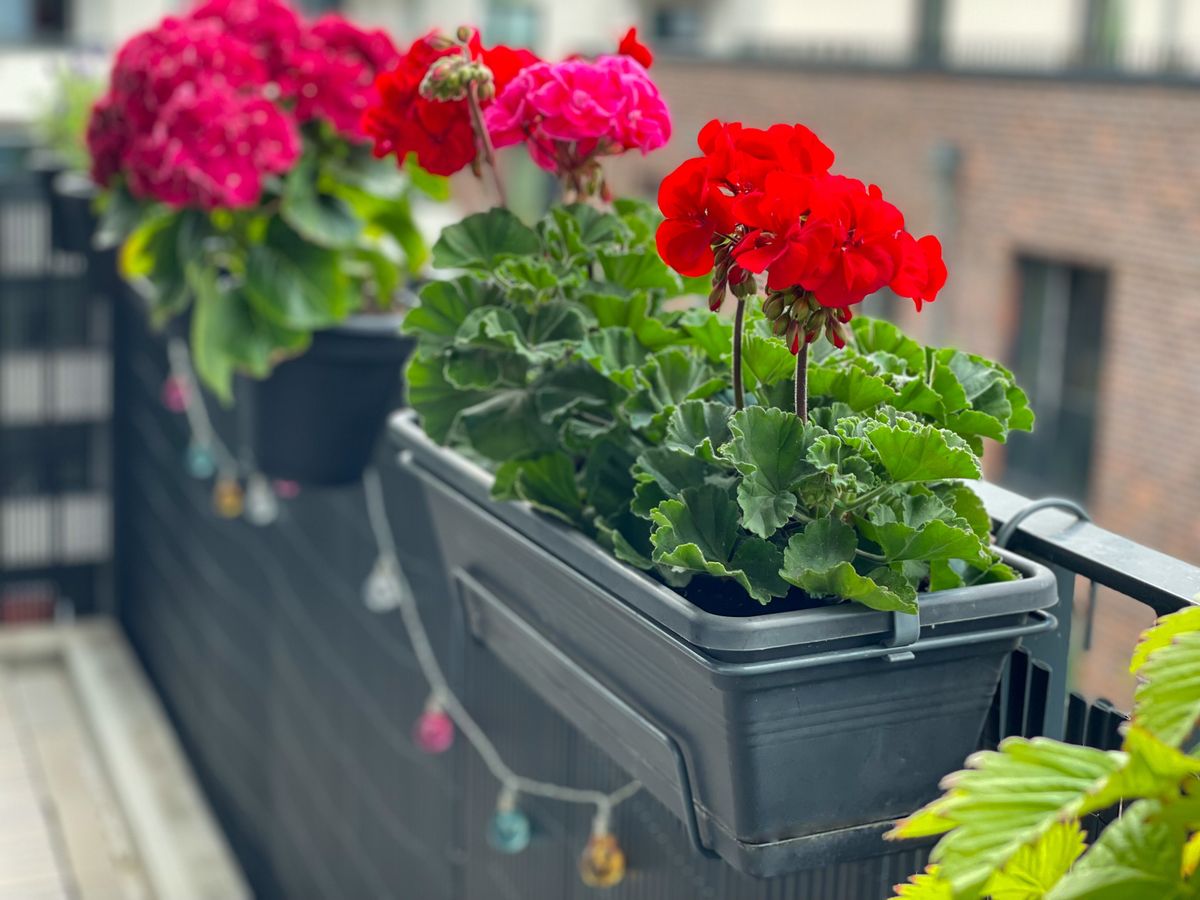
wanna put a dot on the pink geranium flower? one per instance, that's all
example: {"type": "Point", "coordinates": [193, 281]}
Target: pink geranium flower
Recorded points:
{"type": "Point", "coordinates": [211, 147]}
{"type": "Point", "coordinates": [571, 112]}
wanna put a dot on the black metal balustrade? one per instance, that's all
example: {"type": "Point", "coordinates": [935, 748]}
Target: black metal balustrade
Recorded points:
{"type": "Point", "coordinates": [295, 703]}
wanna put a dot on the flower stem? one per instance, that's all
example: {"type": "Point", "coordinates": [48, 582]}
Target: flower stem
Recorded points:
{"type": "Point", "coordinates": [739, 390]}
{"type": "Point", "coordinates": [802, 381]}
{"type": "Point", "coordinates": [485, 141]}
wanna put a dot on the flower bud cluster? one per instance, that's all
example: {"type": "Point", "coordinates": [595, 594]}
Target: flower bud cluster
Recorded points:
{"type": "Point", "coordinates": [796, 315]}
{"type": "Point", "coordinates": [450, 78]}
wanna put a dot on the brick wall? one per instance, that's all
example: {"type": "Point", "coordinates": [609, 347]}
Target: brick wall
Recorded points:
{"type": "Point", "coordinates": [1097, 173]}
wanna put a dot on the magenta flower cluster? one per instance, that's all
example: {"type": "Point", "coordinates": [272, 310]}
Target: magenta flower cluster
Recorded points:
{"type": "Point", "coordinates": [202, 109]}
{"type": "Point", "coordinates": [571, 112]}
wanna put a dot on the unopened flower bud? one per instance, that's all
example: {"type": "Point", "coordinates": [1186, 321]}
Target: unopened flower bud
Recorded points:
{"type": "Point", "coordinates": [780, 325]}
{"type": "Point", "coordinates": [449, 77]}
{"type": "Point", "coordinates": [833, 333]}
{"type": "Point", "coordinates": [844, 315]}
{"type": "Point", "coordinates": [716, 296]}
{"type": "Point", "coordinates": [793, 335]}
{"type": "Point", "coordinates": [465, 33]}
{"type": "Point", "coordinates": [798, 309]}
{"type": "Point", "coordinates": [773, 306]}
{"type": "Point", "coordinates": [745, 286]}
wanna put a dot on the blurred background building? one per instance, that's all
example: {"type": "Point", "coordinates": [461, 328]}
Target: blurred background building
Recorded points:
{"type": "Point", "coordinates": [1053, 145]}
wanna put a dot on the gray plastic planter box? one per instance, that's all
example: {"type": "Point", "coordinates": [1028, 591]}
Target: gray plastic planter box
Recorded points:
{"type": "Point", "coordinates": [783, 741]}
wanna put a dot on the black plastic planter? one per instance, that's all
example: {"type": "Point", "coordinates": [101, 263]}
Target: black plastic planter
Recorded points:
{"type": "Point", "coordinates": [784, 741]}
{"type": "Point", "coordinates": [317, 418]}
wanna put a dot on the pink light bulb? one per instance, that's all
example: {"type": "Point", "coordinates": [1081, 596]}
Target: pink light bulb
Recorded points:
{"type": "Point", "coordinates": [175, 394]}
{"type": "Point", "coordinates": [286, 490]}
{"type": "Point", "coordinates": [434, 731]}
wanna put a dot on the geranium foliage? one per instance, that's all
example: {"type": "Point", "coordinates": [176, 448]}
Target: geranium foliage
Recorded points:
{"type": "Point", "coordinates": [563, 358]}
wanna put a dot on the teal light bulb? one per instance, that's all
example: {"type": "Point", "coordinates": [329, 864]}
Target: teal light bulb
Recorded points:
{"type": "Point", "coordinates": [509, 831]}
{"type": "Point", "coordinates": [199, 461]}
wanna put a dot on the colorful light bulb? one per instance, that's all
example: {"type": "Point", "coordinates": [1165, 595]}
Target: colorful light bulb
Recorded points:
{"type": "Point", "coordinates": [261, 506]}
{"type": "Point", "coordinates": [227, 498]}
{"type": "Point", "coordinates": [434, 731]}
{"type": "Point", "coordinates": [199, 461]}
{"type": "Point", "coordinates": [508, 830]}
{"type": "Point", "coordinates": [175, 394]}
{"type": "Point", "coordinates": [382, 590]}
{"type": "Point", "coordinates": [286, 490]}
{"type": "Point", "coordinates": [602, 864]}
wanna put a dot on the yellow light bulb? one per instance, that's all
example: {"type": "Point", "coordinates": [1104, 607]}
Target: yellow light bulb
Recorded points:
{"type": "Point", "coordinates": [227, 498]}
{"type": "Point", "coordinates": [603, 862]}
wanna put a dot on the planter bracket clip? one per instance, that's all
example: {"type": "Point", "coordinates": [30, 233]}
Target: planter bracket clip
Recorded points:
{"type": "Point", "coordinates": [906, 629]}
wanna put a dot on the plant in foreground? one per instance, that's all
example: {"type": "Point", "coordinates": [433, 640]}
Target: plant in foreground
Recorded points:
{"type": "Point", "coordinates": [1013, 820]}
{"type": "Point", "coordinates": [240, 183]}
{"type": "Point", "coordinates": [561, 358]}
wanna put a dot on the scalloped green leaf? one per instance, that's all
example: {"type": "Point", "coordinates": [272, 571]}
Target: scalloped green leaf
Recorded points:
{"type": "Point", "coordinates": [294, 284]}
{"type": "Point", "coordinates": [504, 426]}
{"type": "Point", "coordinates": [915, 452]}
{"type": "Point", "coordinates": [616, 352]}
{"type": "Point", "coordinates": [436, 400]}
{"type": "Point", "coordinates": [444, 307]}
{"type": "Point", "coordinates": [699, 533]}
{"type": "Point", "coordinates": [819, 560]}
{"type": "Point", "coordinates": [668, 378]}
{"type": "Point", "coordinates": [638, 270]}
{"type": "Point", "coordinates": [699, 427]}
{"type": "Point", "coordinates": [710, 332]}
{"type": "Point", "coordinates": [857, 388]}
{"type": "Point", "coordinates": [766, 361]}
{"type": "Point", "coordinates": [480, 241]}
{"type": "Point", "coordinates": [546, 482]}
{"type": "Point", "coordinates": [872, 335]}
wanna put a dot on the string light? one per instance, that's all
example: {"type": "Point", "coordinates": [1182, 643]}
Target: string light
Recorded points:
{"type": "Point", "coordinates": [509, 830]}
{"type": "Point", "coordinates": [602, 863]}
{"type": "Point", "coordinates": [285, 489]}
{"type": "Point", "coordinates": [199, 462]}
{"type": "Point", "coordinates": [228, 499]}
{"type": "Point", "coordinates": [261, 506]}
{"type": "Point", "coordinates": [174, 394]}
{"type": "Point", "coordinates": [434, 730]}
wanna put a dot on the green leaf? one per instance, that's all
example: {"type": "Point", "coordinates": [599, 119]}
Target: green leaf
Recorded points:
{"type": "Point", "coordinates": [608, 478]}
{"type": "Point", "coordinates": [818, 560]}
{"type": "Point", "coordinates": [436, 400]}
{"type": "Point", "coordinates": [1135, 857]}
{"type": "Point", "coordinates": [967, 505]}
{"type": "Point", "coordinates": [699, 533]}
{"type": "Point", "coordinates": [919, 526]}
{"type": "Point", "coordinates": [572, 388]}
{"type": "Point", "coordinates": [766, 361]}
{"type": "Point", "coordinates": [873, 335]}
{"type": "Point", "coordinates": [639, 270]}
{"type": "Point", "coordinates": [293, 283]}
{"type": "Point", "coordinates": [318, 217]}
{"type": "Point", "coordinates": [504, 426]}
{"type": "Point", "coordinates": [616, 352]}
{"type": "Point", "coordinates": [769, 447]}
{"type": "Point", "coordinates": [547, 483]}
{"type": "Point", "coordinates": [1037, 867]}
{"type": "Point", "coordinates": [482, 240]}
{"type": "Point", "coordinates": [228, 335]}
{"type": "Point", "coordinates": [1006, 800]}
{"type": "Point", "coordinates": [612, 310]}
{"type": "Point", "coordinates": [845, 468]}
{"type": "Point", "coordinates": [1167, 701]}
{"type": "Point", "coordinates": [580, 230]}
{"type": "Point", "coordinates": [709, 332]}
{"type": "Point", "coordinates": [926, 886]}
{"type": "Point", "coordinates": [853, 386]}
{"type": "Point", "coordinates": [699, 427]}
{"type": "Point", "coordinates": [667, 379]}
{"type": "Point", "coordinates": [914, 452]}
{"type": "Point", "coordinates": [672, 469]}
{"type": "Point", "coordinates": [444, 307]}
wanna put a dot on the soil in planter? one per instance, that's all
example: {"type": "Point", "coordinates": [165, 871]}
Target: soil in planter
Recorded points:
{"type": "Point", "coordinates": [723, 598]}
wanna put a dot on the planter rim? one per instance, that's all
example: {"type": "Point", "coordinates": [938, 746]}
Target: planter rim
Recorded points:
{"type": "Point", "coordinates": [1037, 590]}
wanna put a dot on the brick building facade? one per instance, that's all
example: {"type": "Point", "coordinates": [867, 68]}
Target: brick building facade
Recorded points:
{"type": "Point", "coordinates": [1082, 176]}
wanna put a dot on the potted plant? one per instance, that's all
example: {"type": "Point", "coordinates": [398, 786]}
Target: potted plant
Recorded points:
{"type": "Point", "coordinates": [1012, 824]}
{"type": "Point", "coordinates": [745, 554]}
{"type": "Point", "coordinates": [61, 160]}
{"type": "Point", "coordinates": [247, 202]}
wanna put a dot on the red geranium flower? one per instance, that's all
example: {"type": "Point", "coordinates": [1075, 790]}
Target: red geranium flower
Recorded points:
{"type": "Point", "coordinates": [921, 272]}
{"type": "Point", "coordinates": [270, 28]}
{"type": "Point", "coordinates": [696, 213]}
{"type": "Point", "coordinates": [632, 47]}
{"type": "Point", "coordinates": [437, 132]}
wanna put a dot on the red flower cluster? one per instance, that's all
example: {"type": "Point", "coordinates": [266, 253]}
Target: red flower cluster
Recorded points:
{"type": "Point", "coordinates": [438, 132]}
{"type": "Point", "coordinates": [764, 201]}
{"type": "Point", "coordinates": [237, 76]}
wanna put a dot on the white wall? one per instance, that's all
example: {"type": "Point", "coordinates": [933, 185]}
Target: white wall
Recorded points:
{"type": "Point", "coordinates": [1013, 32]}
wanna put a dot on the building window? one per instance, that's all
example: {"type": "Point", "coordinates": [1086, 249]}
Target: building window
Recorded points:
{"type": "Point", "coordinates": [1057, 359]}
{"type": "Point", "coordinates": [513, 24]}
{"type": "Point", "coordinates": [931, 30]}
{"type": "Point", "coordinates": [675, 26]}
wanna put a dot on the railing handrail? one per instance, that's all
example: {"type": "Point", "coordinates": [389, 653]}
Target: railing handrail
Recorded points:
{"type": "Point", "coordinates": [1162, 582]}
